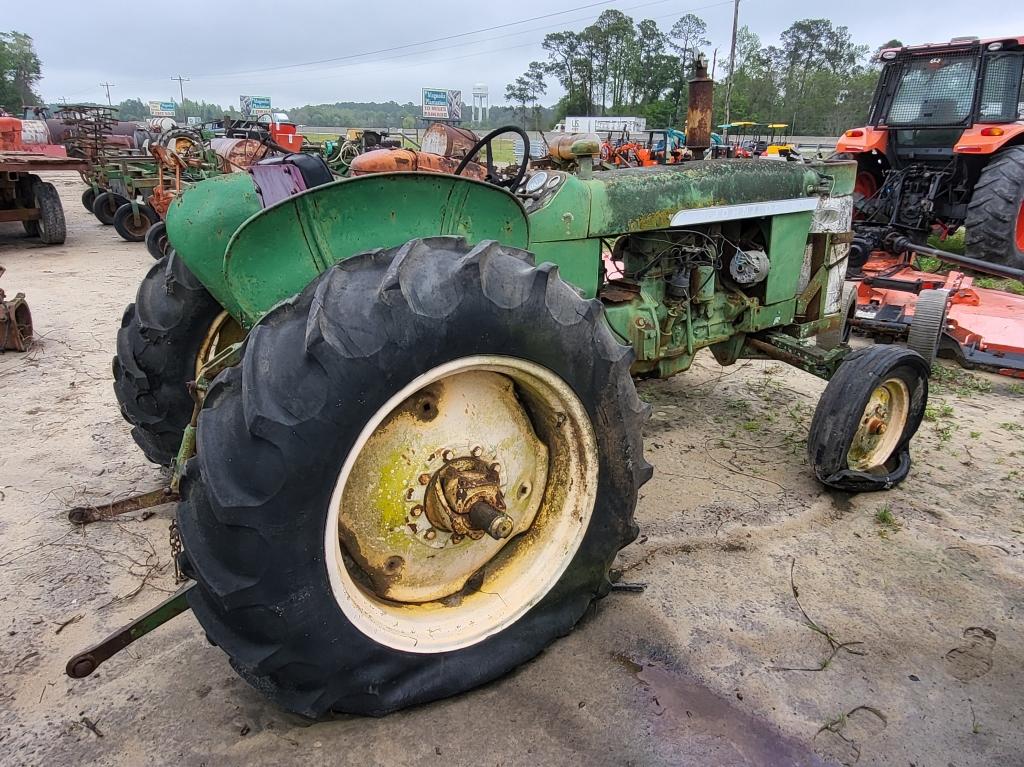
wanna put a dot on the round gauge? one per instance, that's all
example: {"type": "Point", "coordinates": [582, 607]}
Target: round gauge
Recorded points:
{"type": "Point", "coordinates": [554, 181]}
{"type": "Point", "coordinates": [536, 182]}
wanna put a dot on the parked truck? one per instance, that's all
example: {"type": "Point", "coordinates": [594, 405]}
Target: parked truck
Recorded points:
{"type": "Point", "coordinates": [600, 124]}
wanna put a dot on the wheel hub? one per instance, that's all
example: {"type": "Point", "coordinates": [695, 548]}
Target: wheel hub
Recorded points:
{"type": "Point", "coordinates": [881, 426]}
{"type": "Point", "coordinates": [461, 503]}
{"type": "Point", "coordinates": [450, 516]}
{"type": "Point", "coordinates": [464, 498]}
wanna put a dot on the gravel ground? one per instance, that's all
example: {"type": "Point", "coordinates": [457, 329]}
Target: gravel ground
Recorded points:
{"type": "Point", "coordinates": [781, 624]}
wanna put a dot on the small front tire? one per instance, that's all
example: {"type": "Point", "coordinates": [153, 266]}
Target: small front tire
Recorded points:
{"type": "Point", "coordinates": [860, 435]}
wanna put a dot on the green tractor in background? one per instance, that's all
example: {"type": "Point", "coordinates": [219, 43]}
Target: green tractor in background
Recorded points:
{"type": "Point", "coordinates": [413, 448]}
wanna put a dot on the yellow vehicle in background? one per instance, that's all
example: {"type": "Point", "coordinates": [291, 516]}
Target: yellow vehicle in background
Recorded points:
{"type": "Point", "coordinates": [778, 146]}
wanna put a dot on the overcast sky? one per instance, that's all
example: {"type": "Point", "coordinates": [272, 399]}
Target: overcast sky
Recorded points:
{"type": "Point", "coordinates": [264, 47]}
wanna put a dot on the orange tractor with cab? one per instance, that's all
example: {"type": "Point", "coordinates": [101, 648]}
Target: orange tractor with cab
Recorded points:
{"type": "Point", "coordinates": [944, 147]}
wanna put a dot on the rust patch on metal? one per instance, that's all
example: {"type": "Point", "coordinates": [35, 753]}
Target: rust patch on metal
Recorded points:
{"type": "Point", "coordinates": [15, 322]}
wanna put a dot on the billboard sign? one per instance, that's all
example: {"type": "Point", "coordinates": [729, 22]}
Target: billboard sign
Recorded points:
{"type": "Point", "coordinates": [162, 108]}
{"type": "Point", "coordinates": [441, 104]}
{"type": "Point", "coordinates": [254, 106]}
{"type": "Point", "coordinates": [195, 120]}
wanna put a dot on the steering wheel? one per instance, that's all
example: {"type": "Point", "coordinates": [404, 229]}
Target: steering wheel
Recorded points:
{"type": "Point", "coordinates": [492, 174]}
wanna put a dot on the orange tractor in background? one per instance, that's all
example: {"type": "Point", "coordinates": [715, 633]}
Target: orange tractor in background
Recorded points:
{"type": "Point", "coordinates": [944, 148]}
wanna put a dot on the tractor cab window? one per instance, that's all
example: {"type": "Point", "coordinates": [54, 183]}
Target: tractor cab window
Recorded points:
{"type": "Point", "coordinates": [1001, 89]}
{"type": "Point", "coordinates": [935, 91]}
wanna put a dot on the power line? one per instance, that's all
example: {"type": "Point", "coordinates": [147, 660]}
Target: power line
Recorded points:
{"type": "Point", "coordinates": [426, 42]}
{"type": "Point", "coordinates": [108, 86]}
{"type": "Point", "coordinates": [345, 64]}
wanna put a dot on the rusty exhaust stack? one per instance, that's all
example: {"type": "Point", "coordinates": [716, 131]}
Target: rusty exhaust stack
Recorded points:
{"type": "Point", "coordinates": [698, 113]}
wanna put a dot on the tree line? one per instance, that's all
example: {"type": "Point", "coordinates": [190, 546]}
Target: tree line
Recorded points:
{"type": "Point", "coordinates": [817, 78]}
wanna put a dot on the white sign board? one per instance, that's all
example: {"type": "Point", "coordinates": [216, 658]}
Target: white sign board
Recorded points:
{"type": "Point", "coordinates": [254, 106]}
{"type": "Point", "coordinates": [162, 108]}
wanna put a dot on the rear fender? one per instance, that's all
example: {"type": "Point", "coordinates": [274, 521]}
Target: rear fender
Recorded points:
{"type": "Point", "coordinates": [974, 140]}
{"type": "Point", "coordinates": [861, 140]}
{"type": "Point", "coordinates": [279, 251]}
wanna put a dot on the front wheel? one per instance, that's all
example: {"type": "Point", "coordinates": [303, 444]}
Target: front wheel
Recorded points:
{"type": "Point", "coordinates": [860, 435]}
{"type": "Point", "coordinates": [416, 480]}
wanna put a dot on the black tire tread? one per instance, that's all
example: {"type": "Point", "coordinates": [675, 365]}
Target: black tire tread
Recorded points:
{"type": "Point", "coordinates": [156, 349]}
{"type": "Point", "coordinates": [156, 240]}
{"type": "Point", "coordinates": [51, 226]}
{"type": "Point", "coordinates": [928, 324]}
{"type": "Point", "coordinates": [994, 207]}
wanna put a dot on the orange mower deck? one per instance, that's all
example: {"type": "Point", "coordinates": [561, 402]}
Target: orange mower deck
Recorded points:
{"type": "Point", "coordinates": [984, 327]}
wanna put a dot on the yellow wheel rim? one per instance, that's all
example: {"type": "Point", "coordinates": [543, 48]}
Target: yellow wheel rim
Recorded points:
{"type": "Point", "coordinates": [410, 564]}
{"type": "Point", "coordinates": [223, 332]}
{"type": "Point", "coordinates": [881, 425]}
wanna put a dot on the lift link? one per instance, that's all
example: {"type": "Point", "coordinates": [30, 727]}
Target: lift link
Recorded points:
{"type": "Point", "coordinates": [83, 664]}
{"type": "Point", "coordinates": [84, 515]}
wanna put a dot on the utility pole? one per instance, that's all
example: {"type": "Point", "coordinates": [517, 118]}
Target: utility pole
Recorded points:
{"type": "Point", "coordinates": [108, 86]}
{"type": "Point", "coordinates": [181, 91]}
{"type": "Point", "coordinates": [732, 63]}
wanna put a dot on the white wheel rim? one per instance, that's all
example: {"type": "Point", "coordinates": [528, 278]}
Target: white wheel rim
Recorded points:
{"type": "Point", "coordinates": [516, 573]}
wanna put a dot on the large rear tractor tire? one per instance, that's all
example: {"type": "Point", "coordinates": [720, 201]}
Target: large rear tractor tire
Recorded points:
{"type": "Point", "coordinates": [860, 435]}
{"type": "Point", "coordinates": [995, 214]}
{"type": "Point", "coordinates": [173, 327]}
{"type": "Point", "coordinates": [105, 206]}
{"type": "Point", "coordinates": [416, 479]}
{"type": "Point", "coordinates": [131, 227]}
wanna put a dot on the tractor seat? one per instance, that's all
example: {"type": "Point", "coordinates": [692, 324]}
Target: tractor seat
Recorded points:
{"type": "Point", "coordinates": [278, 178]}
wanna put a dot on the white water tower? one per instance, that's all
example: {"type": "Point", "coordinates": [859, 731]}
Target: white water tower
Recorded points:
{"type": "Point", "coordinates": [480, 105]}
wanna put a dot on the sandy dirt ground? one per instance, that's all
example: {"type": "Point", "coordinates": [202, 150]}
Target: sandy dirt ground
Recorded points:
{"type": "Point", "coordinates": [905, 647]}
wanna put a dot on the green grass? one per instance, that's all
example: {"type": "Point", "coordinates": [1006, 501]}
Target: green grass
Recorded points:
{"type": "Point", "coordinates": [886, 521]}
{"type": "Point", "coordinates": [955, 244]}
{"type": "Point", "coordinates": [938, 410]}
{"type": "Point", "coordinates": [958, 381]}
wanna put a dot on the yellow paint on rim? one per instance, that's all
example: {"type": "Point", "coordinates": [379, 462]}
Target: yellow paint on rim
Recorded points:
{"type": "Point", "coordinates": [530, 423]}
{"type": "Point", "coordinates": [881, 425]}
{"type": "Point", "coordinates": [223, 331]}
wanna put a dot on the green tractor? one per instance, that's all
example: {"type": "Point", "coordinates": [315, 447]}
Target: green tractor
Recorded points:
{"type": "Point", "coordinates": [413, 447]}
